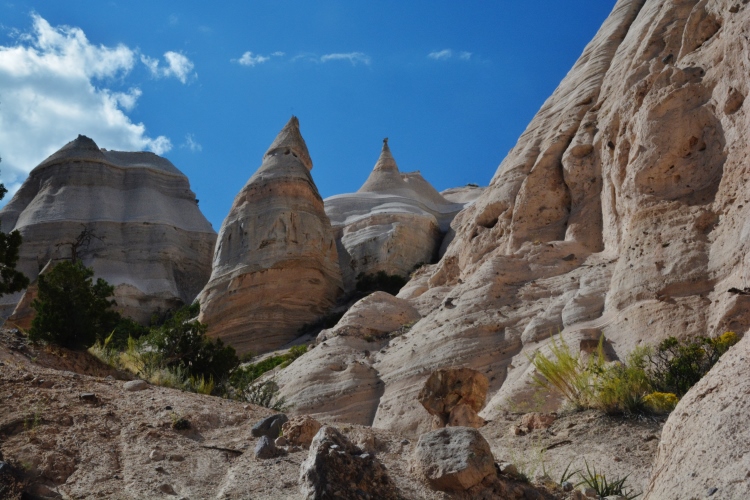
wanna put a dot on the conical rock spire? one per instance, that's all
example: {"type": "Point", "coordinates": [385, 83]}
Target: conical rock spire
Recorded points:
{"type": "Point", "coordinates": [291, 139]}
{"type": "Point", "coordinates": [275, 264]}
{"type": "Point", "coordinates": [386, 162]}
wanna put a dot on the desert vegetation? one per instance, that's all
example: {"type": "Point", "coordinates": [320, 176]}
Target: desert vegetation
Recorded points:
{"type": "Point", "coordinates": [650, 380]}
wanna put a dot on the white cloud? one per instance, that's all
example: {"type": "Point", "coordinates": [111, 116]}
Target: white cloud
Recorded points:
{"type": "Point", "coordinates": [54, 86]}
{"type": "Point", "coordinates": [177, 66]}
{"type": "Point", "coordinates": [442, 54]}
{"type": "Point", "coordinates": [278, 53]}
{"type": "Point", "coordinates": [352, 57]}
{"type": "Point", "coordinates": [248, 59]}
{"type": "Point", "coordinates": [445, 54]}
{"type": "Point", "coordinates": [191, 144]}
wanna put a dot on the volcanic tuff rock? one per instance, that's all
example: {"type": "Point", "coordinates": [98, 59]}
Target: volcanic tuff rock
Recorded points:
{"type": "Point", "coordinates": [622, 210]}
{"type": "Point", "coordinates": [337, 378]}
{"type": "Point", "coordinates": [394, 222]}
{"type": "Point", "coordinates": [146, 234]}
{"type": "Point", "coordinates": [275, 265]}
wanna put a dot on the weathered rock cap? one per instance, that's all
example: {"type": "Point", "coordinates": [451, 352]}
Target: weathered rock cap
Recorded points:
{"type": "Point", "coordinates": [454, 458]}
{"type": "Point", "coordinates": [454, 395]}
{"type": "Point", "coordinates": [290, 140]}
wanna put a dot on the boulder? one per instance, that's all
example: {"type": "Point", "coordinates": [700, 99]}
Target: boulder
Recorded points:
{"type": "Point", "coordinates": [265, 448]}
{"type": "Point", "coordinates": [270, 426]}
{"type": "Point", "coordinates": [394, 222]}
{"type": "Point", "coordinates": [336, 468]}
{"type": "Point", "coordinates": [275, 265]}
{"type": "Point", "coordinates": [704, 441]}
{"type": "Point", "coordinates": [130, 216]}
{"type": "Point", "coordinates": [301, 430]}
{"type": "Point", "coordinates": [135, 385]}
{"type": "Point", "coordinates": [454, 458]}
{"type": "Point", "coordinates": [455, 395]}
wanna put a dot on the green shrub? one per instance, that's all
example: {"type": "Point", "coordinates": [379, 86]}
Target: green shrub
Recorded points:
{"type": "Point", "coordinates": [71, 310]}
{"type": "Point", "coordinates": [603, 487]}
{"type": "Point", "coordinates": [660, 402]}
{"type": "Point", "coordinates": [567, 374]}
{"type": "Point", "coordinates": [676, 366]}
{"type": "Point", "coordinates": [182, 341]}
{"type": "Point", "coordinates": [621, 387]}
{"type": "Point", "coordinates": [242, 380]}
{"type": "Point", "coordinates": [380, 282]}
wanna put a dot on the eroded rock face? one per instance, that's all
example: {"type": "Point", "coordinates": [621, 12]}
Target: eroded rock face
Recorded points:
{"type": "Point", "coordinates": [336, 468]}
{"type": "Point", "coordinates": [703, 444]}
{"type": "Point", "coordinates": [336, 379]}
{"type": "Point", "coordinates": [275, 265]}
{"type": "Point", "coordinates": [394, 222]}
{"type": "Point", "coordinates": [147, 236]}
{"type": "Point", "coordinates": [622, 211]}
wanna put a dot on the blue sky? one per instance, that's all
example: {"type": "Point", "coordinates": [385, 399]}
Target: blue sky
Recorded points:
{"type": "Point", "coordinates": [208, 85]}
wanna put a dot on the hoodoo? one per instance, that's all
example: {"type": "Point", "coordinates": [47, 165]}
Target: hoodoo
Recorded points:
{"type": "Point", "coordinates": [131, 216]}
{"type": "Point", "coordinates": [393, 222]}
{"type": "Point", "coordinates": [275, 265]}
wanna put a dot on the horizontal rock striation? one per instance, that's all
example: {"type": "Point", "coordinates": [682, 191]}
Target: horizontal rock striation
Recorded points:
{"type": "Point", "coordinates": [146, 234]}
{"type": "Point", "coordinates": [275, 265]}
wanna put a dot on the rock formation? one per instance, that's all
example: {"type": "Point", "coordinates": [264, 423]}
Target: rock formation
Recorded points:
{"type": "Point", "coordinates": [131, 216]}
{"type": "Point", "coordinates": [622, 211]}
{"type": "Point", "coordinates": [394, 222]}
{"type": "Point", "coordinates": [275, 265]}
{"type": "Point", "coordinates": [336, 378]}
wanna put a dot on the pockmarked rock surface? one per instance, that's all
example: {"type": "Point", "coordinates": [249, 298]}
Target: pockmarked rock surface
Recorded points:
{"type": "Point", "coordinates": [336, 378]}
{"type": "Point", "coordinates": [454, 458]}
{"type": "Point", "coordinates": [130, 216]}
{"type": "Point", "coordinates": [275, 265]}
{"type": "Point", "coordinates": [301, 430]}
{"type": "Point", "coordinates": [335, 468]}
{"type": "Point", "coordinates": [622, 210]}
{"type": "Point", "coordinates": [704, 442]}
{"type": "Point", "coordinates": [394, 222]}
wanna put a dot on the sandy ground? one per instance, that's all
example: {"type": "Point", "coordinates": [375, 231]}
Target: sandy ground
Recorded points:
{"type": "Point", "coordinates": [74, 435]}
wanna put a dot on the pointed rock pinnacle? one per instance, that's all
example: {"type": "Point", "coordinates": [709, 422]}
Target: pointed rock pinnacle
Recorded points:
{"type": "Point", "coordinates": [291, 139]}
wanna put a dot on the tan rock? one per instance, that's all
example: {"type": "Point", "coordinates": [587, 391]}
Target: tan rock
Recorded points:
{"type": "Point", "coordinates": [392, 223]}
{"type": "Point", "coordinates": [146, 235]}
{"type": "Point", "coordinates": [463, 415]}
{"type": "Point", "coordinates": [336, 378]}
{"type": "Point", "coordinates": [454, 458]}
{"type": "Point", "coordinates": [275, 264]}
{"type": "Point", "coordinates": [455, 395]}
{"type": "Point", "coordinates": [704, 440]}
{"type": "Point", "coordinates": [301, 430]}
{"type": "Point", "coordinates": [535, 421]}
